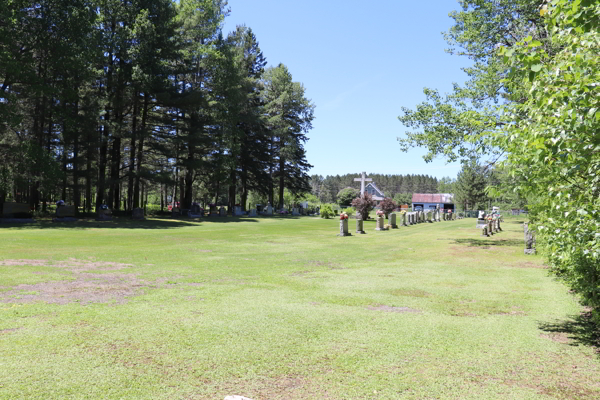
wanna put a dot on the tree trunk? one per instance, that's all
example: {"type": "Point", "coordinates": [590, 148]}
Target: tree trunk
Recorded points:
{"type": "Point", "coordinates": [102, 163]}
{"type": "Point", "coordinates": [132, 150]}
{"type": "Point", "coordinates": [113, 197]}
{"type": "Point", "coordinates": [75, 163]}
{"type": "Point", "coordinates": [140, 152]}
{"type": "Point", "coordinates": [281, 181]}
{"type": "Point", "coordinates": [232, 187]}
{"type": "Point", "coordinates": [244, 195]}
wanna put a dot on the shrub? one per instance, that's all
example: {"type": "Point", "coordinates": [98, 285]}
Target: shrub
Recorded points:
{"type": "Point", "coordinates": [326, 211]}
{"type": "Point", "coordinates": [363, 205]}
{"type": "Point", "coordinates": [345, 196]}
{"type": "Point", "coordinates": [349, 211]}
{"type": "Point", "coordinates": [387, 205]}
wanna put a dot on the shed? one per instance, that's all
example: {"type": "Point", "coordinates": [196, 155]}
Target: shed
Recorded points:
{"type": "Point", "coordinates": [430, 201]}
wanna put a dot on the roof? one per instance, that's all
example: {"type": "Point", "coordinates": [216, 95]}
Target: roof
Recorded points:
{"type": "Point", "coordinates": [441, 198]}
{"type": "Point", "coordinates": [375, 187]}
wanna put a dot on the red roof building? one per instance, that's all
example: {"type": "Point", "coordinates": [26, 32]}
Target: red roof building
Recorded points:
{"type": "Point", "coordinates": [427, 201]}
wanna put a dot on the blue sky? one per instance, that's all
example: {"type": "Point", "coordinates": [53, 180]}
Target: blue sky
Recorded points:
{"type": "Point", "coordinates": [360, 63]}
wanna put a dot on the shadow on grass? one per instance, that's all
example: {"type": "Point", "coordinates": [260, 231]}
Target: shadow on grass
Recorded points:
{"type": "Point", "coordinates": [488, 242]}
{"type": "Point", "coordinates": [125, 223]}
{"type": "Point", "coordinates": [581, 329]}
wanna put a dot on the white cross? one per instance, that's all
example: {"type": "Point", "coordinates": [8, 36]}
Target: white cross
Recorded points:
{"type": "Point", "coordinates": [362, 181]}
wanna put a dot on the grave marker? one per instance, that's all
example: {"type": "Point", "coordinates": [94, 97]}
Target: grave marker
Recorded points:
{"type": "Point", "coordinates": [529, 240]}
{"type": "Point", "coordinates": [392, 220]}
{"type": "Point", "coordinates": [138, 213]}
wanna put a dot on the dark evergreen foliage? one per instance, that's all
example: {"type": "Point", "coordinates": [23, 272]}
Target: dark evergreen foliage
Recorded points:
{"type": "Point", "coordinates": [104, 101]}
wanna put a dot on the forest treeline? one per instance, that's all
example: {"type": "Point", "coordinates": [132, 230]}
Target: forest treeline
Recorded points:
{"type": "Point", "coordinates": [327, 188]}
{"type": "Point", "coordinates": [104, 101]}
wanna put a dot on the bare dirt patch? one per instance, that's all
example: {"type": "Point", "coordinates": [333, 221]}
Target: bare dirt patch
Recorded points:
{"type": "Point", "coordinates": [9, 330]}
{"type": "Point", "coordinates": [557, 337]}
{"type": "Point", "coordinates": [91, 282]}
{"type": "Point", "coordinates": [24, 262]}
{"type": "Point", "coordinates": [529, 264]}
{"type": "Point", "coordinates": [393, 309]}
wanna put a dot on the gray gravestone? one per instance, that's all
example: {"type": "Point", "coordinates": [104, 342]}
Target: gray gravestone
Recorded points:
{"type": "Point", "coordinates": [529, 240]}
{"type": "Point", "coordinates": [222, 212]}
{"type": "Point", "coordinates": [380, 223]}
{"type": "Point", "coordinates": [392, 221]}
{"type": "Point", "coordinates": [344, 227]}
{"type": "Point", "coordinates": [138, 213]}
{"type": "Point", "coordinates": [268, 210]}
{"type": "Point", "coordinates": [359, 225]}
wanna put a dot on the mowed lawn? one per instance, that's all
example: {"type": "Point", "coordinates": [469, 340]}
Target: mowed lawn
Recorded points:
{"type": "Point", "coordinates": [282, 308]}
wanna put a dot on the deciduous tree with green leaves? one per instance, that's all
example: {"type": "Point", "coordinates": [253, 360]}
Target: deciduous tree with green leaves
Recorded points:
{"type": "Point", "coordinates": [553, 143]}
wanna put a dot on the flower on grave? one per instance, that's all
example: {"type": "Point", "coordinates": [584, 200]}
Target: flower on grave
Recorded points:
{"type": "Point", "coordinates": [343, 216]}
{"type": "Point", "coordinates": [380, 213]}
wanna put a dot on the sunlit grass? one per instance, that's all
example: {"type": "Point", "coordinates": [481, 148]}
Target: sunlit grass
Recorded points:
{"type": "Point", "coordinates": [282, 308]}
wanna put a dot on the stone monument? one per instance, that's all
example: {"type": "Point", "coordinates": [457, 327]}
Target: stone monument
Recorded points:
{"type": "Point", "coordinates": [529, 239]}
{"type": "Point", "coordinates": [363, 178]}
{"type": "Point", "coordinates": [359, 224]}
{"type": "Point", "coordinates": [380, 223]}
{"type": "Point", "coordinates": [138, 213]}
{"type": "Point", "coordinates": [344, 227]}
{"type": "Point", "coordinates": [392, 220]}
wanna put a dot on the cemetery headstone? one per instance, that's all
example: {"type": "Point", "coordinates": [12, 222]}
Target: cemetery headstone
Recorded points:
{"type": "Point", "coordinates": [392, 221]}
{"type": "Point", "coordinates": [529, 239]}
{"type": "Point", "coordinates": [252, 213]}
{"type": "Point", "coordinates": [213, 210]}
{"type": "Point", "coordinates": [195, 211]}
{"type": "Point", "coordinates": [295, 211]}
{"type": "Point", "coordinates": [222, 212]}
{"type": "Point", "coordinates": [481, 219]}
{"type": "Point", "coordinates": [268, 210]}
{"type": "Point", "coordinates": [359, 225]}
{"type": "Point", "coordinates": [380, 223]}
{"type": "Point", "coordinates": [344, 226]}
{"type": "Point", "coordinates": [104, 214]}
{"type": "Point", "coordinates": [237, 211]}
{"type": "Point", "coordinates": [489, 227]}
{"type": "Point", "coordinates": [64, 213]}
{"type": "Point", "coordinates": [484, 230]}
{"type": "Point", "coordinates": [404, 219]}
{"type": "Point", "coordinates": [16, 212]}
{"type": "Point", "coordinates": [429, 217]}
{"type": "Point", "coordinates": [138, 213]}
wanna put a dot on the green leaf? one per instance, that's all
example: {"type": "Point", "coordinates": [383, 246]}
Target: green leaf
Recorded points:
{"type": "Point", "coordinates": [536, 67]}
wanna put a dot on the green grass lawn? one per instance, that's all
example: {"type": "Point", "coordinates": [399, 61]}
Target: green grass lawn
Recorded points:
{"type": "Point", "coordinates": [282, 308]}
